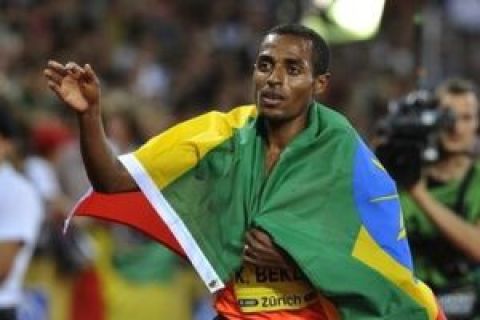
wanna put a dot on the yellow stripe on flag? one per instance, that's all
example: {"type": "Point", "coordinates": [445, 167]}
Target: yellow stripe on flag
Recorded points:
{"type": "Point", "coordinates": [370, 253]}
{"type": "Point", "coordinates": [385, 198]}
{"type": "Point", "coordinates": [172, 153]}
{"type": "Point", "coordinates": [378, 164]}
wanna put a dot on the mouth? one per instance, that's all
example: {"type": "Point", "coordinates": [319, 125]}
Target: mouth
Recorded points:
{"type": "Point", "coordinates": [271, 98]}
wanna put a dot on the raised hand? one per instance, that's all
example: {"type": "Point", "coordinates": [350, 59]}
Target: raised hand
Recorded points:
{"type": "Point", "coordinates": [76, 86]}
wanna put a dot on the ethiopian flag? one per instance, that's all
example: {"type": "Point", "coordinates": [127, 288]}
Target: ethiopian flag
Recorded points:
{"type": "Point", "coordinates": [328, 202]}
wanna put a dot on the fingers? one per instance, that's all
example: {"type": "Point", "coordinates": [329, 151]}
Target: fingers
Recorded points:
{"type": "Point", "coordinates": [252, 242]}
{"type": "Point", "coordinates": [56, 71]}
{"type": "Point", "coordinates": [57, 67]}
{"type": "Point", "coordinates": [253, 257]}
{"type": "Point", "coordinates": [263, 253]}
{"type": "Point", "coordinates": [260, 250]}
{"type": "Point", "coordinates": [90, 74]}
{"type": "Point", "coordinates": [75, 71]}
{"type": "Point", "coordinates": [261, 237]}
{"type": "Point", "coordinates": [55, 88]}
{"type": "Point", "coordinates": [255, 261]}
{"type": "Point", "coordinates": [53, 76]}
{"type": "Point", "coordinates": [259, 241]}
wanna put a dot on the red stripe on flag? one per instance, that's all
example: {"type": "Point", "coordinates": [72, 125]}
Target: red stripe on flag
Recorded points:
{"type": "Point", "coordinates": [132, 209]}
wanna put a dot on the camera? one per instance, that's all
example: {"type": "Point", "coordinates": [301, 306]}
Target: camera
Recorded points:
{"type": "Point", "coordinates": [409, 135]}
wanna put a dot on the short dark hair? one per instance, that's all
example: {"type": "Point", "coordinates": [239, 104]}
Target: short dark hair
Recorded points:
{"type": "Point", "coordinates": [455, 86]}
{"type": "Point", "coordinates": [320, 50]}
{"type": "Point", "coordinates": [8, 127]}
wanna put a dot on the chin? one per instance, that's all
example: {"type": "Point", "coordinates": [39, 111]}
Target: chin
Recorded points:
{"type": "Point", "coordinates": [455, 148]}
{"type": "Point", "coordinates": [274, 117]}
{"type": "Point", "coordinates": [271, 114]}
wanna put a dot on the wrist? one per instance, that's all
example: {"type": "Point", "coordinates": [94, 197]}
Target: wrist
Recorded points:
{"type": "Point", "coordinates": [91, 113]}
{"type": "Point", "coordinates": [418, 192]}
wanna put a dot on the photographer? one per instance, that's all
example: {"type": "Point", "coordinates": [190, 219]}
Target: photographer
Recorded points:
{"type": "Point", "coordinates": [442, 208]}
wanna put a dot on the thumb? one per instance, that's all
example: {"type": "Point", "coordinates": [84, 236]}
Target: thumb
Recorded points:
{"type": "Point", "coordinates": [90, 74]}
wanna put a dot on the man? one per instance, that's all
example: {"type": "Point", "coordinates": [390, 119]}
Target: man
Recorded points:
{"type": "Point", "coordinates": [442, 210]}
{"type": "Point", "coordinates": [234, 184]}
{"type": "Point", "coordinates": [21, 214]}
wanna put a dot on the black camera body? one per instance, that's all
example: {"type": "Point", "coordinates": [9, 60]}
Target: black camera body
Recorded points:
{"type": "Point", "coordinates": [409, 136]}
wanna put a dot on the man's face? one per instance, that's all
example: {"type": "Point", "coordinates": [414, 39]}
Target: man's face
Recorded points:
{"type": "Point", "coordinates": [283, 77]}
{"type": "Point", "coordinates": [462, 136]}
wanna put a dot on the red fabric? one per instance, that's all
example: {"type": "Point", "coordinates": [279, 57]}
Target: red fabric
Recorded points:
{"type": "Point", "coordinates": [132, 209]}
{"type": "Point", "coordinates": [87, 301]}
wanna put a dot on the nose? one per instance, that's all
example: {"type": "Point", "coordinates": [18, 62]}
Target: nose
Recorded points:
{"type": "Point", "coordinates": [457, 126]}
{"type": "Point", "coordinates": [275, 77]}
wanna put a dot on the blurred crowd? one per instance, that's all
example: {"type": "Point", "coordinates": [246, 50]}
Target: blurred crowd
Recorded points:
{"type": "Point", "coordinates": [160, 62]}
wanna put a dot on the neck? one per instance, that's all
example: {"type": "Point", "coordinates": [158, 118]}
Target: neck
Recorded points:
{"type": "Point", "coordinates": [280, 133]}
{"type": "Point", "coordinates": [452, 167]}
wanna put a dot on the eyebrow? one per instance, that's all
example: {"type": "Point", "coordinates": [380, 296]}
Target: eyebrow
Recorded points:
{"type": "Point", "coordinates": [286, 60]}
{"type": "Point", "coordinates": [295, 61]}
{"type": "Point", "coordinates": [265, 57]}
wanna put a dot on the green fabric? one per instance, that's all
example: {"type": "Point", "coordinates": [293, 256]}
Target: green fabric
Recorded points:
{"type": "Point", "coordinates": [146, 263]}
{"type": "Point", "coordinates": [306, 204]}
{"type": "Point", "coordinates": [432, 249]}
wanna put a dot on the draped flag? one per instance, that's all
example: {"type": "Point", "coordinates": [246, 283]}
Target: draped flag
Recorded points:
{"type": "Point", "coordinates": [327, 202]}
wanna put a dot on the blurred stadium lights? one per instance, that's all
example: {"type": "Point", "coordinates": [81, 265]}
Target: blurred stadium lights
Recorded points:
{"type": "Point", "coordinates": [322, 4]}
{"type": "Point", "coordinates": [341, 21]}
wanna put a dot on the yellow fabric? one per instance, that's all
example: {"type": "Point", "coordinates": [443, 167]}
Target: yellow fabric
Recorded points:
{"type": "Point", "coordinates": [260, 289]}
{"type": "Point", "coordinates": [192, 140]}
{"type": "Point", "coordinates": [127, 300]}
{"type": "Point", "coordinates": [368, 251]}
{"type": "Point", "coordinates": [42, 274]}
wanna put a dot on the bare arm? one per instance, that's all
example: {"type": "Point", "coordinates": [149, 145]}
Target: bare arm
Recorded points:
{"type": "Point", "coordinates": [464, 235]}
{"type": "Point", "coordinates": [8, 252]}
{"type": "Point", "coordinates": [79, 88]}
{"type": "Point", "coordinates": [104, 171]}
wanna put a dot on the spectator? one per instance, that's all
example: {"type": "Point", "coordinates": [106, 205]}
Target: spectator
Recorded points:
{"type": "Point", "coordinates": [21, 213]}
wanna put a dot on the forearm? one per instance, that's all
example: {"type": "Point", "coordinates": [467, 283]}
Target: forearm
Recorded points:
{"type": "Point", "coordinates": [4, 269]}
{"type": "Point", "coordinates": [105, 172]}
{"type": "Point", "coordinates": [8, 252]}
{"type": "Point", "coordinates": [465, 236]}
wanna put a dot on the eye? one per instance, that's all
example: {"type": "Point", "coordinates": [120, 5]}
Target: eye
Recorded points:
{"type": "Point", "coordinates": [294, 69]}
{"type": "Point", "coordinates": [264, 65]}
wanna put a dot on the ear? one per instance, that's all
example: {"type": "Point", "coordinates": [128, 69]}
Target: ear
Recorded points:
{"type": "Point", "coordinates": [320, 84]}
